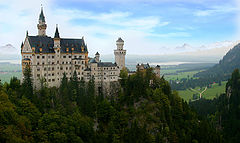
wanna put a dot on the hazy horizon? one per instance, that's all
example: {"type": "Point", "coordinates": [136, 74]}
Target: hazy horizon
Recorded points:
{"type": "Point", "coordinates": [163, 27]}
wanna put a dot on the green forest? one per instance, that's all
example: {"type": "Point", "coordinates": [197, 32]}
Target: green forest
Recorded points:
{"type": "Point", "coordinates": [223, 112]}
{"type": "Point", "coordinates": [144, 109]}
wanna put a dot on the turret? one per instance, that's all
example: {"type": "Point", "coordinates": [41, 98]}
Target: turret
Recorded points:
{"type": "Point", "coordinates": [120, 43]}
{"type": "Point", "coordinates": [42, 26]}
{"type": "Point", "coordinates": [56, 39]}
{"type": "Point", "coordinates": [97, 57]}
{"type": "Point", "coordinates": [120, 54]}
{"type": "Point", "coordinates": [157, 70]}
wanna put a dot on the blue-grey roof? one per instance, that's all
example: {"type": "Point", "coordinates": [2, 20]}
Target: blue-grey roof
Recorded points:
{"type": "Point", "coordinates": [120, 39]}
{"type": "Point", "coordinates": [47, 44]}
{"type": "Point", "coordinates": [93, 60]}
{"type": "Point", "coordinates": [106, 64]}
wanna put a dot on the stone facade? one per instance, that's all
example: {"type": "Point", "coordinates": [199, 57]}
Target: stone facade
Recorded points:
{"type": "Point", "coordinates": [49, 58]}
{"type": "Point", "coordinates": [142, 67]}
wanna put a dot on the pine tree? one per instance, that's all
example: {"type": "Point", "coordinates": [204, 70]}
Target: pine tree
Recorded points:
{"type": "Point", "coordinates": [27, 86]}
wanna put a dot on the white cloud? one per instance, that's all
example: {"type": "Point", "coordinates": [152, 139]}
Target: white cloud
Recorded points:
{"type": "Point", "coordinates": [20, 16]}
{"type": "Point", "coordinates": [23, 15]}
{"type": "Point", "coordinates": [215, 10]}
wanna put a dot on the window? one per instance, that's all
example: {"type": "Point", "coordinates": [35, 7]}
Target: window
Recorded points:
{"type": "Point", "coordinates": [38, 57]}
{"type": "Point", "coordinates": [64, 56]}
{"type": "Point", "coordinates": [45, 74]}
{"type": "Point", "coordinates": [53, 68]}
{"type": "Point", "coordinates": [43, 63]}
{"type": "Point", "coordinates": [82, 62]}
{"type": "Point", "coordinates": [49, 80]}
{"type": "Point", "coordinates": [43, 57]}
{"type": "Point", "coordinates": [45, 69]}
{"type": "Point", "coordinates": [52, 74]}
{"type": "Point", "coordinates": [37, 63]}
{"type": "Point", "coordinates": [38, 75]}
{"type": "Point", "coordinates": [53, 79]}
{"type": "Point", "coordinates": [69, 56]}
{"type": "Point", "coordinates": [62, 62]}
{"type": "Point", "coordinates": [38, 69]}
{"type": "Point", "coordinates": [53, 57]}
{"type": "Point", "coordinates": [66, 68]}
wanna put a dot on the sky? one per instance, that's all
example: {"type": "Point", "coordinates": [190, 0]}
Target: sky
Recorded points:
{"type": "Point", "coordinates": [148, 27]}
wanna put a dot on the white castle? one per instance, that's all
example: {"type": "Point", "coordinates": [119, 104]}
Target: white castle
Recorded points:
{"type": "Point", "coordinates": [49, 58]}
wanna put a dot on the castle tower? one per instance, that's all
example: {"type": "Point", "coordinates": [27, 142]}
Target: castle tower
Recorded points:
{"type": "Point", "coordinates": [97, 57]}
{"type": "Point", "coordinates": [120, 53]}
{"type": "Point", "coordinates": [42, 26]}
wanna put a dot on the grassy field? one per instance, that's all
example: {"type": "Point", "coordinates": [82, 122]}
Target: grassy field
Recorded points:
{"type": "Point", "coordinates": [186, 94]}
{"type": "Point", "coordinates": [216, 90]}
{"type": "Point", "coordinates": [181, 75]}
{"type": "Point", "coordinates": [210, 93]}
{"type": "Point", "coordinates": [187, 71]}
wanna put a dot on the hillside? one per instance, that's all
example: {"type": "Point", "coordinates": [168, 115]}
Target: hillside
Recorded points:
{"type": "Point", "coordinates": [223, 111]}
{"type": "Point", "coordinates": [137, 112]}
{"type": "Point", "coordinates": [225, 66]}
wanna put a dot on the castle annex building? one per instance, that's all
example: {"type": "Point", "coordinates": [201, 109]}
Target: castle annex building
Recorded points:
{"type": "Point", "coordinates": [49, 58]}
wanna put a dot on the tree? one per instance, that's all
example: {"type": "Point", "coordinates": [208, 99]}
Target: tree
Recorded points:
{"type": "Point", "coordinates": [27, 86]}
{"type": "Point", "coordinates": [74, 83]}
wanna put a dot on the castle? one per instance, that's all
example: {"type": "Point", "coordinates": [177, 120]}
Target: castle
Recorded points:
{"type": "Point", "coordinates": [49, 58]}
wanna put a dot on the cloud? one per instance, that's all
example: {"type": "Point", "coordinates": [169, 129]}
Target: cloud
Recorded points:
{"type": "Point", "coordinates": [216, 10]}
{"type": "Point", "coordinates": [144, 33]}
{"type": "Point", "coordinates": [116, 18]}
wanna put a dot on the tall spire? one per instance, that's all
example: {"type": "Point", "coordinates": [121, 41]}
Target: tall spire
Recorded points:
{"type": "Point", "coordinates": [56, 33]}
{"type": "Point", "coordinates": [41, 16]}
{"type": "Point", "coordinates": [42, 26]}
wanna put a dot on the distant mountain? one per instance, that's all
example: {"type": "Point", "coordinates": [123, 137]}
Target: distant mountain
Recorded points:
{"type": "Point", "coordinates": [217, 49]}
{"type": "Point", "coordinates": [9, 52]}
{"type": "Point", "coordinates": [185, 47]}
{"type": "Point", "coordinates": [225, 66]}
